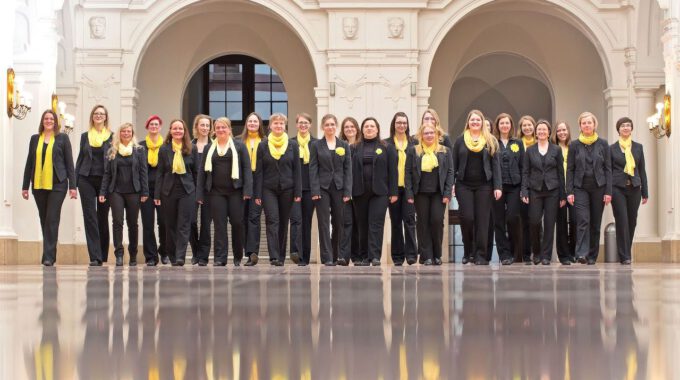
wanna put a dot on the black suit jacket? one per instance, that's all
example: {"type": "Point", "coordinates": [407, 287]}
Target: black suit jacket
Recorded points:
{"type": "Point", "coordinates": [514, 161]}
{"type": "Point", "coordinates": [414, 171]}
{"type": "Point", "coordinates": [62, 162]}
{"type": "Point", "coordinates": [245, 175]}
{"type": "Point", "coordinates": [140, 176]}
{"type": "Point", "coordinates": [84, 161]}
{"type": "Point", "coordinates": [537, 169]}
{"type": "Point", "coordinates": [385, 177]}
{"type": "Point", "coordinates": [602, 165]}
{"type": "Point", "coordinates": [619, 178]}
{"type": "Point", "coordinates": [281, 174]}
{"type": "Point", "coordinates": [164, 175]}
{"type": "Point", "coordinates": [326, 167]}
{"type": "Point", "coordinates": [304, 169]}
{"type": "Point", "coordinates": [411, 141]}
{"type": "Point", "coordinates": [492, 165]}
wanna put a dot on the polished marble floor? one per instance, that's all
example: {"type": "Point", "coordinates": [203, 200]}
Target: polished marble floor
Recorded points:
{"type": "Point", "coordinates": [454, 321]}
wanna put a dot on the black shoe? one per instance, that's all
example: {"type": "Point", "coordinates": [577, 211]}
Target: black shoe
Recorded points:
{"type": "Point", "coordinates": [625, 262]}
{"type": "Point", "coordinates": [581, 259]}
{"type": "Point", "coordinates": [150, 263]}
{"type": "Point", "coordinates": [95, 263]}
{"type": "Point", "coordinates": [277, 263]}
{"type": "Point", "coordinates": [202, 263]}
{"type": "Point", "coordinates": [427, 262]}
{"type": "Point", "coordinates": [133, 263]}
{"type": "Point", "coordinates": [237, 262]}
{"type": "Point", "coordinates": [119, 261]}
{"type": "Point", "coordinates": [545, 262]}
{"type": "Point", "coordinates": [272, 262]}
{"type": "Point", "coordinates": [375, 262]}
{"type": "Point", "coordinates": [362, 263]}
{"type": "Point", "coordinates": [178, 263]}
{"type": "Point", "coordinates": [219, 263]}
{"type": "Point", "coordinates": [507, 261]}
{"type": "Point", "coordinates": [302, 264]}
{"type": "Point", "coordinates": [329, 264]}
{"type": "Point", "coordinates": [466, 260]}
{"type": "Point", "coordinates": [573, 259]}
{"type": "Point", "coordinates": [481, 261]}
{"type": "Point", "coordinates": [565, 262]}
{"type": "Point", "coordinates": [295, 257]}
{"type": "Point", "coordinates": [342, 262]}
{"type": "Point", "coordinates": [590, 262]}
{"type": "Point", "coordinates": [528, 262]}
{"type": "Point", "coordinates": [398, 264]}
{"type": "Point", "coordinates": [253, 258]}
{"type": "Point", "coordinates": [194, 260]}
{"type": "Point", "coordinates": [437, 261]}
{"type": "Point", "coordinates": [165, 260]}
{"type": "Point", "coordinates": [536, 261]}
{"type": "Point", "coordinates": [47, 263]}
{"type": "Point", "coordinates": [410, 261]}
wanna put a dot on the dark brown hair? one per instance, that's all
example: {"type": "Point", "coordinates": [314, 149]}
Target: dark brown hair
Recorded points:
{"type": "Point", "coordinates": [497, 132]}
{"type": "Point", "coordinates": [394, 120]}
{"type": "Point", "coordinates": [57, 127]}
{"type": "Point", "coordinates": [622, 120]}
{"type": "Point", "coordinates": [363, 123]}
{"type": "Point", "coordinates": [244, 134]}
{"type": "Point", "coordinates": [186, 140]}
{"type": "Point", "coordinates": [355, 123]}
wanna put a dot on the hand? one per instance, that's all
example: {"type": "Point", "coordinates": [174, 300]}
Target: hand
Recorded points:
{"type": "Point", "coordinates": [246, 197]}
{"type": "Point", "coordinates": [410, 200]}
{"type": "Point", "coordinates": [393, 198]}
{"type": "Point", "coordinates": [525, 200]}
{"type": "Point", "coordinates": [199, 201]}
{"type": "Point", "coordinates": [345, 199]}
{"type": "Point", "coordinates": [258, 201]}
{"type": "Point", "coordinates": [24, 194]}
{"type": "Point", "coordinates": [157, 202]}
{"type": "Point", "coordinates": [497, 194]}
{"type": "Point", "coordinates": [563, 203]}
{"type": "Point", "coordinates": [102, 199]}
{"type": "Point", "coordinates": [73, 193]}
{"type": "Point", "coordinates": [446, 200]}
{"type": "Point", "coordinates": [297, 199]}
{"type": "Point", "coordinates": [453, 191]}
{"type": "Point", "coordinates": [143, 199]}
{"type": "Point", "coordinates": [316, 197]}
{"type": "Point", "coordinates": [607, 199]}
{"type": "Point", "coordinates": [570, 199]}
{"type": "Point", "coordinates": [644, 201]}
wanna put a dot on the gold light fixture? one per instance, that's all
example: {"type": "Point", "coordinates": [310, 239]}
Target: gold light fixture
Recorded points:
{"type": "Point", "coordinates": [65, 119]}
{"type": "Point", "coordinates": [660, 122]}
{"type": "Point", "coordinates": [18, 101]}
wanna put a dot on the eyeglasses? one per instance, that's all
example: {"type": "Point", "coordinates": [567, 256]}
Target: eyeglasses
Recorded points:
{"type": "Point", "coordinates": [401, 123]}
{"type": "Point", "coordinates": [99, 114]}
{"type": "Point", "coordinates": [303, 123]}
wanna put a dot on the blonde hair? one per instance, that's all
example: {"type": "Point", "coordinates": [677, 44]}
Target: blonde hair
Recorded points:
{"type": "Point", "coordinates": [197, 119]}
{"type": "Point", "coordinates": [437, 123]}
{"type": "Point", "coordinates": [491, 142]}
{"type": "Point", "coordinates": [115, 144]}
{"type": "Point", "coordinates": [224, 120]}
{"type": "Point", "coordinates": [585, 115]}
{"type": "Point", "coordinates": [279, 116]}
{"type": "Point", "coordinates": [554, 138]}
{"type": "Point", "coordinates": [106, 113]}
{"type": "Point", "coordinates": [419, 136]}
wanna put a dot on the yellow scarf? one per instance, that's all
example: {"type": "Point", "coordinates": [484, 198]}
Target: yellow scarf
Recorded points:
{"type": "Point", "coordinates": [152, 148]}
{"type": "Point", "coordinates": [178, 160]}
{"type": "Point", "coordinates": [42, 178]}
{"type": "Point", "coordinates": [565, 154]}
{"type": "Point", "coordinates": [401, 165]}
{"type": "Point", "coordinates": [528, 141]}
{"type": "Point", "coordinates": [252, 142]}
{"type": "Point", "coordinates": [304, 147]}
{"type": "Point", "coordinates": [475, 146]}
{"type": "Point", "coordinates": [429, 159]}
{"type": "Point", "coordinates": [587, 140]}
{"type": "Point", "coordinates": [627, 145]}
{"type": "Point", "coordinates": [125, 150]}
{"type": "Point", "coordinates": [221, 152]}
{"type": "Point", "coordinates": [97, 138]}
{"type": "Point", "coordinates": [277, 145]}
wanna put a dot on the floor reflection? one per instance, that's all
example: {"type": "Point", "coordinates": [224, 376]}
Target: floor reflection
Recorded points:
{"type": "Point", "coordinates": [320, 323]}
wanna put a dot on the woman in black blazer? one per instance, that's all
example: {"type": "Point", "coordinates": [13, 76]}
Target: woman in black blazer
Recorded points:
{"type": "Point", "coordinates": [126, 186]}
{"type": "Point", "coordinates": [543, 191]}
{"type": "Point", "coordinates": [429, 179]}
{"type": "Point", "coordinates": [478, 181]}
{"type": "Point", "coordinates": [589, 186]}
{"type": "Point", "coordinates": [330, 172]}
{"type": "Point", "coordinates": [49, 184]}
{"type": "Point", "coordinates": [349, 239]}
{"type": "Point", "coordinates": [431, 117]}
{"type": "Point", "coordinates": [154, 250]}
{"type": "Point", "coordinates": [374, 187]}
{"type": "Point", "coordinates": [226, 181]}
{"type": "Point", "coordinates": [629, 180]}
{"type": "Point", "coordinates": [506, 210]}
{"type": "Point", "coordinates": [277, 184]}
{"type": "Point", "coordinates": [176, 188]}
{"type": "Point", "coordinates": [252, 135]}
{"type": "Point", "coordinates": [199, 240]}
{"type": "Point", "coordinates": [301, 214]}
{"type": "Point", "coordinates": [402, 212]}
{"type": "Point", "coordinates": [527, 135]}
{"type": "Point", "coordinates": [565, 240]}
{"type": "Point", "coordinates": [90, 171]}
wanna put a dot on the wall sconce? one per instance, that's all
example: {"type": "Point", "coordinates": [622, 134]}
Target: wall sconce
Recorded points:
{"type": "Point", "coordinates": [331, 88]}
{"type": "Point", "coordinates": [65, 119]}
{"type": "Point", "coordinates": [414, 88]}
{"type": "Point", "coordinates": [660, 122]}
{"type": "Point", "coordinates": [18, 102]}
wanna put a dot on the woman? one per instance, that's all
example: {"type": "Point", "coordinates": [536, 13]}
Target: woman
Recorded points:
{"type": "Point", "coordinates": [349, 239]}
{"type": "Point", "coordinates": [431, 117]}
{"type": "Point", "coordinates": [506, 210]}
{"type": "Point", "coordinates": [90, 171]}
{"type": "Point", "coordinates": [429, 179]}
{"type": "Point", "coordinates": [49, 171]}
{"type": "Point", "coordinates": [566, 226]}
{"type": "Point", "coordinates": [331, 183]}
{"type": "Point", "coordinates": [225, 180]}
{"type": "Point", "coordinates": [589, 186]}
{"type": "Point", "coordinates": [478, 181]}
{"type": "Point", "coordinates": [176, 189]}
{"type": "Point", "coordinates": [200, 240]}
{"type": "Point", "coordinates": [629, 180]}
{"type": "Point", "coordinates": [527, 134]}
{"type": "Point", "coordinates": [277, 184]}
{"type": "Point", "coordinates": [126, 186]}
{"type": "Point", "coordinates": [402, 213]}
{"type": "Point", "coordinates": [302, 213]}
{"type": "Point", "coordinates": [153, 251]}
{"type": "Point", "coordinates": [374, 187]}
{"type": "Point", "coordinates": [543, 190]}
{"type": "Point", "coordinates": [251, 137]}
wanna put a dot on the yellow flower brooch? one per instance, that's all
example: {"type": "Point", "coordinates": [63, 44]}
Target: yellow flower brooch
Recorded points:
{"type": "Point", "coordinates": [340, 151]}
{"type": "Point", "coordinates": [514, 148]}
{"type": "Point", "coordinates": [378, 151]}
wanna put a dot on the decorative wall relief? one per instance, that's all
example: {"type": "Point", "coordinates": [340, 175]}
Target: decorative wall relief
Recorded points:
{"type": "Point", "coordinates": [351, 90]}
{"type": "Point", "coordinates": [394, 90]}
{"type": "Point", "coordinates": [97, 27]}
{"type": "Point", "coordinates": [395, 27]}
{"type": "Point", "coordinates": [98, 88]}
{"type": "Point", "coordinates": [350, 27]}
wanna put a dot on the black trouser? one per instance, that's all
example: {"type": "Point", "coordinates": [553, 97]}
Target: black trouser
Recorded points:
{"type": "Point", "coordinates": [403, 219]}
{"type": "Point", "coordinates": [506, 223]}
{"type": "Point", "coordinates": [251, 221]}
{"type": "Point", "coordinates": [277, 205]}
{"type": "Point", "coordinates": [370, 210]}
{"type": "Point", "coordinates": [625, 204]}
{"type": "Point", "coordinates": [179, 211]}
{"type": "Point", "coordinates": [96, 217]}
{"type": "Point", "coordinates": [566, 230]}
{"type": "Point", "coordinates": [301, 227]}
{"type": "Point", "coordinates": [152, 214]}
{"type": "Point", "coordinates": [330, 209]}
{"type": "Point", "coordinates": [125, 206]}
{"type": "Point", "coordinates": [349, 239]}
{"type": "Point", "coordinates": [525, 239]}
{"type": "Point", "coordinates": [588, 208]}
{"type": "Point", "coordinates": [543, 205]}
{"type": "Point", "coordinates": [430, 224]}
{"type": "Point", "coordinates": [200, 240]}
{"type": "Point", "coordinates": [223, 208]}
{"type": "Point", "coordinates": [475, 203]}
{"type": "Point", "coordinates": [49, 204]}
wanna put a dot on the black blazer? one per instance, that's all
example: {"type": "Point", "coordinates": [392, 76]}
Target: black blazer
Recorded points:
{"type": "Point", "coordinates": [492, 165]}
{"type": "Point", "coordinates": [514, 161]}
{"type": "Point", "coordinates": [140, 176]}
{"type": "Point", "coordinates": [281, 174]}
{"type": "Point", "coordinates": [84, 161]}
{"type": "Point", "coordinates": [245, 175]}
{"type": "Point", "coordinates": [414, 171]}
{"type": "Point", "coordinates": [164, 175]}
{"type": "Point", "coordinates": [326, 167]}
{"type": "Point", "coordinates": [304, 173]}
{"type": "Point", "coordinates": [385, 176]}
{"type": "Point", "coordinates": [537, 169]}
{"type": "Point", "coordinates": [410, 141]}
{"type": "Point", "coordinates": [602, 165]}
{"type": "Point", "coordinates": [62, 162]}
{"type": "Point", "coordinates": [619, 178]}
